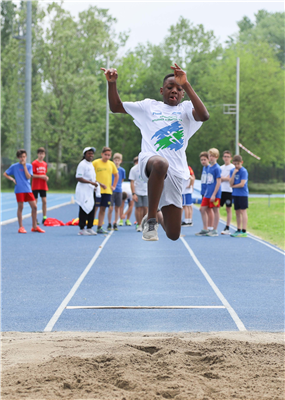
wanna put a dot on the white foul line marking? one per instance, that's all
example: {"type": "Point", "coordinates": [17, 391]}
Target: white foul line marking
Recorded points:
{"type": "Point", "coordinates": [9, 221]}
{"type": "Point", "coordinates": [232, 312]}
{"type": "Point", "coordinates": [67, 299]}
{"type": "Point", "coordinates": [138, 307]}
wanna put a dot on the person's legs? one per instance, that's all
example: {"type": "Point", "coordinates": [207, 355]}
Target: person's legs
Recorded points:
{"type": "Point", "coordinates": [244, 219]}
{"type": "Point", "coordinates": [239, 219]}
{"type": "Point", "coordinates": [216, 211]}
{"type": "Point", "coordinates": [19, 214]}
{"type": "Point", "coordinates": [130, 209]}
{"type": "Point", "coordinates": [33, 206]}
{"type": "Point", "coordinates": [110, 211]}
{"type": "Point", "coordinates": [139, 215]}
{"type": "Point", "coordinates": [101, 216]}
{"type": "Point", "coordinates": [44, 206]}
{"type": "Point", "coordinates": [210, 215]}
{"type": "Point", "coordinates": [204, 215]}
{"type": "Point", "coordinates": [229, 215]}
{"type": "Point", "coordinates": [156, 170]}
{"type": "Point", "coordinates": [82, 218]}
{"type": "Point", "coordinates": [90, 218]}
{"type": "Point", "coordinates": [170, 219]}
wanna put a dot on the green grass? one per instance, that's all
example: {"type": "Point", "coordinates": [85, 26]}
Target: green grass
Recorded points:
{"type": "Point", "coordinates": [278, 187]}
{"type": "Point", "coordinates": [264, 221]}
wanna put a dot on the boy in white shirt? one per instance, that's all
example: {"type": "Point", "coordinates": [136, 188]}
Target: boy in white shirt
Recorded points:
{"type": "Point", "coordinates": [166, 128]}
{"type": "Point", "coordinates": [226, 189]}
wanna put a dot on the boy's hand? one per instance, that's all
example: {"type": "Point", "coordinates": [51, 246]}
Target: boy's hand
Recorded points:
{"type": "Point", "coordinates": [103, 186]}
{"type": "Point", "coordinates": [14, 181]}
{"type": "Point", "coordinates": [111, 74]}
{"type": "Point", "coordinates": [179, 75]}
{"type": "Point", "coordinates": [212, 199]}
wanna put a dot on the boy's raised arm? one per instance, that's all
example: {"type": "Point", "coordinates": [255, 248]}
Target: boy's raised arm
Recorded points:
{"type": "Point", "coordinates": [200, 112]}
{"type": "Point", "coordinates": [115, 102]}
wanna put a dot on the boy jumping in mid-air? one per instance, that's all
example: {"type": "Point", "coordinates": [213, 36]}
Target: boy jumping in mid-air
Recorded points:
{"type": "Point", "coordinates": [166, 128]}
{"type": "Point", "coordinates": [22, 172]}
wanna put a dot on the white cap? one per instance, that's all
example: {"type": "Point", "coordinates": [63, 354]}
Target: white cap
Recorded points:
{"type": "Point", "coordinates": [89, 148]}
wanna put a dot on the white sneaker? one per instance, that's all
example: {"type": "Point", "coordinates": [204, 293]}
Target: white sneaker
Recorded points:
{"type": "Point", "coordinates": [145, 218]}
{"type": "Point", "coordinates": [139, 228]}
{"type": "Point", "coordinates": [150, 230]}
{"type": "Point", "coordinates": [84, 232]}
{"type": "Point", "coordinates": [91, 232]}
{"type": "Point", "coordinates": [226, 232]}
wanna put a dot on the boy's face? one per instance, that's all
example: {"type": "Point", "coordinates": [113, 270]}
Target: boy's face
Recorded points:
{"type": "Point", "coordinates": [23, 158]}
{"type": "Point", "coordinates": [117, 161]}
{"type": "Point", "coordinates": [204, 161]}
{"type": "Point", "coordinates": [106, 156]}
{"type": "Point", "coordinates": [41, 155]}
{"type": "Point", "coordinates": [238, 164]}
{"type": "Point", "coordinates": [227, 158]}
{"type": "Point", "coordinates": [212, 159]}
{"type": "Point", "coordinates": [171, 92]}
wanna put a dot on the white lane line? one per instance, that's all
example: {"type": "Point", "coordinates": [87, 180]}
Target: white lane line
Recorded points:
{"type": "Point", "coordinates": [138, 307]}
{"type": "Point", "coordinates": [232, 312]}
{"type": "Point", "coordinates": [73, 290]}
{"type": "Point", "coordinates": [9, 221]}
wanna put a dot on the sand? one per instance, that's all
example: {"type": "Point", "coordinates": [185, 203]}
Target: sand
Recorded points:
{"type": "Point", "coordinates": [143, 366]}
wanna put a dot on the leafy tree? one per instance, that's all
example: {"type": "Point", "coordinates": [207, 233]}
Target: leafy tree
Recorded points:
{"type": "Point", "coordinates": [72, 107]}
{"type": "Point", "coordinates": [268, 27]}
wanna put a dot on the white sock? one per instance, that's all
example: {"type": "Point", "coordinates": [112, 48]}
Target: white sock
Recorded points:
{"type": "Point", "coordinates": [210, 228]}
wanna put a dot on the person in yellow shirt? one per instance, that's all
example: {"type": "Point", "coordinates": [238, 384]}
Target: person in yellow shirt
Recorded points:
{"type": "Point", "coordinates": [104, 169]}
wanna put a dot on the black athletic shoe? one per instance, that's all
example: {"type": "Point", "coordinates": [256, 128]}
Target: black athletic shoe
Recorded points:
{"type": "Point", "coordinates": [115, 227]}
{"type": "Point", "coordinates": [109, 227]}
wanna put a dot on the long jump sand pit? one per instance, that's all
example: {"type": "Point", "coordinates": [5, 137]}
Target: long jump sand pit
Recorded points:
{"type": "Point", "coordinates": [143, 366]}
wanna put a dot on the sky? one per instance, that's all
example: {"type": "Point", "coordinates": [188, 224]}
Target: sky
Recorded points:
{"type": "Point", "coordinates": [150, 21]}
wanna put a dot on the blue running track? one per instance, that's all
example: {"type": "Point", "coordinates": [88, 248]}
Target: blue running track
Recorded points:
{"type": "Point", "coordinates": [228, 284]}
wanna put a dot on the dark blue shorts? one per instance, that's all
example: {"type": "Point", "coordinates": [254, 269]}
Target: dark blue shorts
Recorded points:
{"type": "Point", "coordinates": [240, 202]}
{"type": "Point", "coordinates": [105, 200]}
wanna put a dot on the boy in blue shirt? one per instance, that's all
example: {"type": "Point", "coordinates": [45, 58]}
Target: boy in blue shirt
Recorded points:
{"type": "Point", "coordinates": [117, 193]}
{"type": "Point", "coordinates": [22, 173]}
{"type": "Point", "coordinates": [204, 159]}
{"type": "Point", "coordinates": [238, 181]}
{"type": "Point", "coordinates": [212, 197]}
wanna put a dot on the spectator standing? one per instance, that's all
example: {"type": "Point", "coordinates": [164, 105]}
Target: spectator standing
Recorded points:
{"type": "Point", "coordinates": [238, 181]}
{"type": "Point", "coordinates": [104, 169]}
{"type": "Point", "coordinates": [139, 193]}
{"type": "Point", "coordinates": [226, 197]}
{"type": "Point", "coordinates": [40, 179]}
{"type": "Point", "coordinates": [117, 195]}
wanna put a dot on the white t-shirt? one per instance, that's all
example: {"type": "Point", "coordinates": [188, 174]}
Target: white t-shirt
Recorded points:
{"type": "Point", "coordinates": [165, 130]}
{"type": "Point", "coordinates": [84, 194]}
{"type": "Point", "coordinates": [226, 172]}
{"type": "Point", "coordinates": [140, 185]}
{"type": "Point", "coordinates": [126, 187]}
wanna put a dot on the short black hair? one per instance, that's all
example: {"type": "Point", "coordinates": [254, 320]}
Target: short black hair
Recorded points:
{"type": "Point", "coordinates": [167, 76]}
{"type": "Point", "coordinates": [20, 152]}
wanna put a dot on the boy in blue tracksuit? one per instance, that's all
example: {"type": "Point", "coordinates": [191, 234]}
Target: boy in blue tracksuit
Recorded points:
{"type": "Point", "coordinates": [238, 181]}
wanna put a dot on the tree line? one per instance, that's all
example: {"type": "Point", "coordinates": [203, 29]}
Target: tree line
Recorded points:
{"type": "Point", "coordinates": [69, 89]}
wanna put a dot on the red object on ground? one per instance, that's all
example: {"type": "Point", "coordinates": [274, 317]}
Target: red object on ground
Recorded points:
{"type": "Point", "coordinates": [53, 222]}
{"type": "Point", "coordinates": [22, 230]}
{"type": "Point", "coordinates": [73, 222]}
{"type": "Point", "coordinates": [38, 229]}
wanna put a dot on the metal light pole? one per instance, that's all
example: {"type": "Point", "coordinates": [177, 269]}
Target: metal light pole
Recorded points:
{"type": "Point", "coordinates": [107, 109]}
{"type": "Point", "coordinates": [234, 108]}
{"type": "Point", "coordinates": [237, 107]}
{"type": "Point", "coordinates": [28, 83]}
